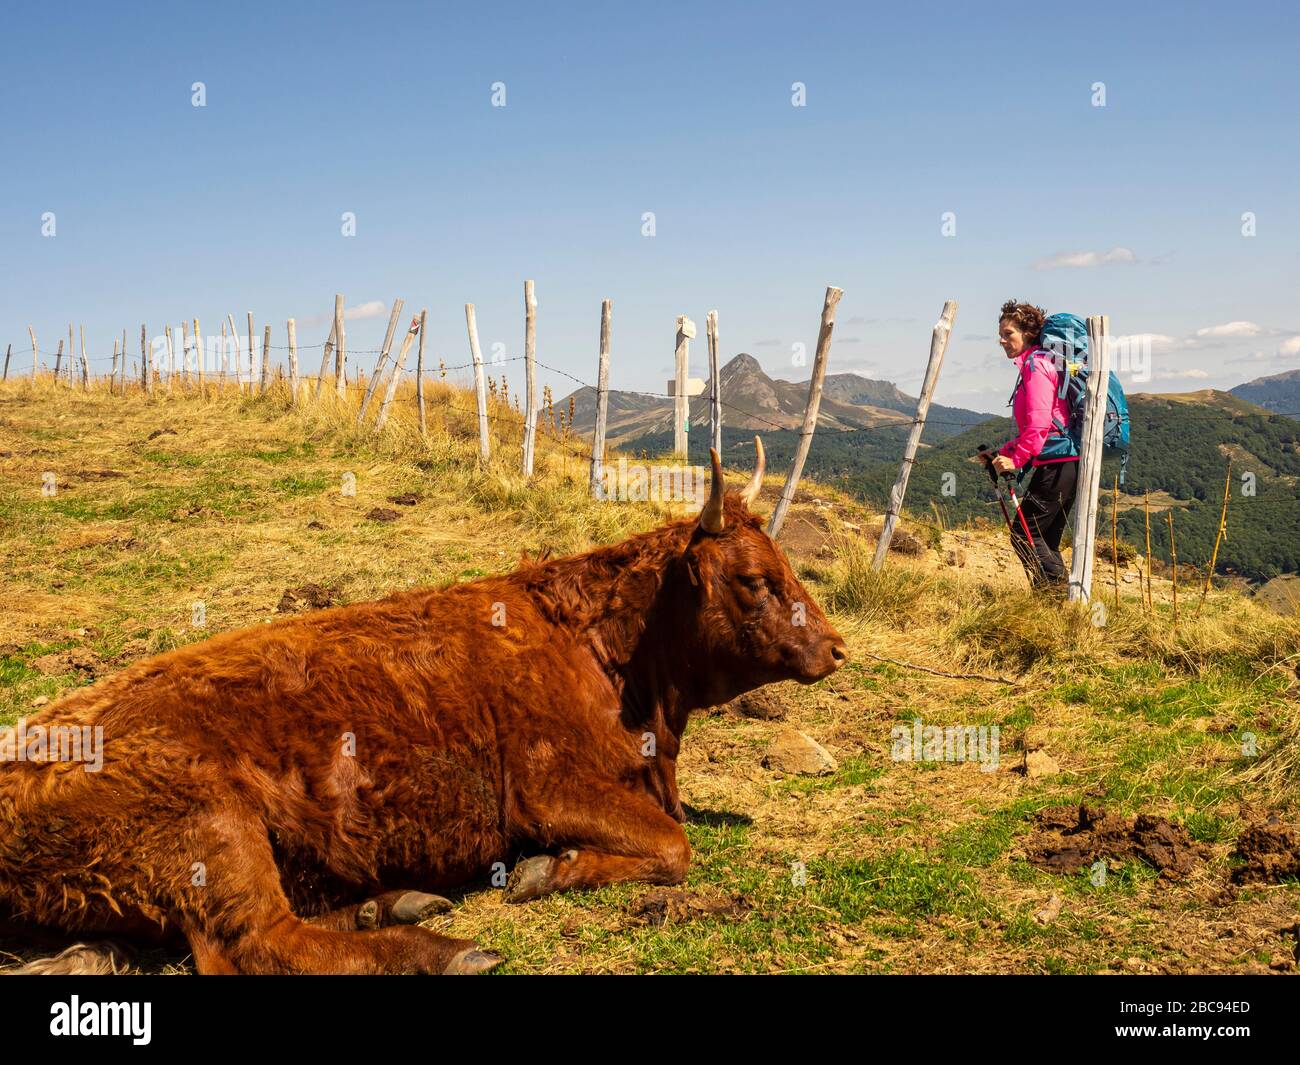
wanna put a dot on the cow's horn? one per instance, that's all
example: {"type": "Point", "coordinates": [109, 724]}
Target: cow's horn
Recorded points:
{"type": "Point", "coordinates": [756, 482]}
{"type": "Point", "coordinates": [711, 518]}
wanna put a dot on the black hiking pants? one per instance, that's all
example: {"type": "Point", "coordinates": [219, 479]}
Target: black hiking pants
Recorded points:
{"type": "Point", "coordinates": [1046, 505]}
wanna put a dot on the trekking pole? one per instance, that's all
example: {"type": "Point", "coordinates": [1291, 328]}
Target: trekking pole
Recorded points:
{"type": "Point", "coordinates": [986, 457]}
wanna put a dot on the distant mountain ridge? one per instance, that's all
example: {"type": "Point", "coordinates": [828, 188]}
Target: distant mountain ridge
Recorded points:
{"type": "Point", "coordinates": [1279, 393]}
{"type": "Point", "coordinates": [753, 400]}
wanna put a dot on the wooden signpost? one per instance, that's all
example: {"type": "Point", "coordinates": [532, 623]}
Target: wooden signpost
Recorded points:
{"type": "Point", "coordinates": [681, 401]}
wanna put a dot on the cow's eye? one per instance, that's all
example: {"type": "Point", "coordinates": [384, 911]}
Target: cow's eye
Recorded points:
{"type": "Point", "coordinates": [755, 584]}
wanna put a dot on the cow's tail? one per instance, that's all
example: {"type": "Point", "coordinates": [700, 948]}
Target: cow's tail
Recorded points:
{"type": "Point", "coordinates": [102, 958]}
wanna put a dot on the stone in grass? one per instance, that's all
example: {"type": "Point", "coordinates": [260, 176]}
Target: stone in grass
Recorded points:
{"type": "Point", "coordinates": [1040, 764]}
{"type": "Point", "coordinates": [799, 754]}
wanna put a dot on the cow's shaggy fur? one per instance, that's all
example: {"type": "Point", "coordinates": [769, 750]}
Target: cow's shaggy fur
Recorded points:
{"type": "Point", "coordinates": [259, 787]}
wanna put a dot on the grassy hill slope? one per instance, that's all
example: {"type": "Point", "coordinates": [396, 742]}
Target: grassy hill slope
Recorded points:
{"type": "Point", "coordinates": [878, 866]}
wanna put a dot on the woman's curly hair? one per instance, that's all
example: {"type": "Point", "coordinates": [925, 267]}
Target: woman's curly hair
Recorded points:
{"type": "Point", "coordinates": [1025, 317]}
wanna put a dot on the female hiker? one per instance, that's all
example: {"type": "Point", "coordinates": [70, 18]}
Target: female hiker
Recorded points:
{"type": "Point", "coordinates": [1038, 410]}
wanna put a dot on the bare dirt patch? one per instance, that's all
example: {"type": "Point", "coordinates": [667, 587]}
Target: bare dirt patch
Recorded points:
{"type": "Point", "coordinates": [674, 905]}
{"type": "Point", "coordinates": [309, 597]}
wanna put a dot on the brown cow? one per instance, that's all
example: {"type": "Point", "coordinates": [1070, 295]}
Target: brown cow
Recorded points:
{"type": "Point", "coordinates": [276, 794]}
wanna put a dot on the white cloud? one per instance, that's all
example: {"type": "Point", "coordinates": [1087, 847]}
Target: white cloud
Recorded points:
{"type": "Point", "coordinates": [1075, 260]}
{"type": "Point", "coordinates": [373, 309]}
{"type": "Point", "coordinates": [1290, 346]}
{"type": "Point", "coordinates": [1174, 375]}
{"type": "Point", "coordinates": [1232, 329]}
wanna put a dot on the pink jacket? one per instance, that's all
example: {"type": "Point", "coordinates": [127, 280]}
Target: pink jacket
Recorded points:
{"type": "Point", "coordinates": [1034, 404]}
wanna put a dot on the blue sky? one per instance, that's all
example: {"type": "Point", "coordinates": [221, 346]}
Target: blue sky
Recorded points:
{"type": "Point", "coordinates": [166, 211]}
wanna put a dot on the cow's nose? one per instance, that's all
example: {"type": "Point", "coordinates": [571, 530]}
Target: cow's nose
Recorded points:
{"type": "Point", "coordinates": [840, 654]}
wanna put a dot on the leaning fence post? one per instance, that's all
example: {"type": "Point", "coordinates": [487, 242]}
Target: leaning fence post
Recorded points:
{"type": "Point", "coordinates": [324, 362]}
{"type": "Point", "coordinates": [293, 361]}
{"type": "Point", "coordinates": [681, 401]}
{"type": "Point", "coordinates": [715, 384]}
{"type": "Point", "coordinates": [419, 370]}
{"type": "Point", "coordinates": [58, 362]}
{"type": "Point", "coordinates": [938, 346]}
{"type": "Point", "coordinates": [833, 295]}
{"type": "Point", "coordinates": [8, 352]}
{"type": "Point", "coordinates": [31, 333]}
{"type": "Point", "coordinates": [1089, 488]}
{"type": "Point", "coordinates": [530, 376]}
{"type": "Point", "coordinates": [381, 360]}
{"type": "Point", "coordinates": [480, 390]}
{"type": "Point", "coordinates": [340, 349]}
{"type": "Point", "coordinates": [602, 403]}
{"type": "Point", "coordinates": [382, 419]}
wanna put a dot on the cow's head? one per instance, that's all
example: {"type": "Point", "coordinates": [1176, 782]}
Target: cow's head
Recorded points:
{"type": "Point", "coordinates": [753, 620]}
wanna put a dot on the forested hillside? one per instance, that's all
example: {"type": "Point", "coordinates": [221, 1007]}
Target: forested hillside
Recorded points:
{"type": "Point", "coordinates": [1181, 449]}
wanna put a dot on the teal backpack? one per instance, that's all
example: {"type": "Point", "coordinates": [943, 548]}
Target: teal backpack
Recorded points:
{"type": "Point", "coordinates": [1065, 338]}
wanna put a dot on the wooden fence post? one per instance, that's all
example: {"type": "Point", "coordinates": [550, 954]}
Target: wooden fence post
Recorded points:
{"type": "Point", "coordinates": [382, 419]}
{"type": "Point", "coordinates": [72, 358]}
{"type": "Point", "coordinates": [938, 347]}
{"type": "Point", "coordinates": [199, 354]}
{"type": "Point", "coordinates": [480, 389]}
{"type": "Point", "coordinates": [1114, 539]}
{"type": "Point", "coordinates": [681, 401]}
{"type": "Point", "coordinates": [8, 352]}
{"type": "Point", "coordinates": [419, 370]}
{"type": "Point", "coordinates": [293, 361]}
{"type": "Point", "coordinates": [715, 383]}
{"type": "Point", "coordinates": [266, 357]}
{"type": "Point", "coordinates": [602, 403]}
{"type": "Point", "coordinates": [381, 360]}
{"type": "Point", "coordinates": [1223, 528]}
{"type": "Point", "coordinates": [340, 349]}
{"type": "Point", "coordinates": [1089, 486]}
{"type": "Point", "coordinates": [833, 295]}
{"type": "Point", "coordinates": [185, 355]}
{"type": "Point", "coordinates": [325, 361]}
{"type": "Point", "coordinates": [530, 377]}
{"type": "Point", "coordinates": [112, 376]}
{"type": "Point", "coordinates": [31, 333]}
{"type": "Point", "coordinates": [171, 353]}
{"type": "Point", "coordinates": [1173, 561]}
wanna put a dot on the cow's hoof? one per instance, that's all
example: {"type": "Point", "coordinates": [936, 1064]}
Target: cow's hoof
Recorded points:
{"type": "Point", "coordinates": [369, 917]}
{"type": "Point", "coordinates": [472, 962]}
{"type": "Point", "coordinates": [528, 879]}
{"type": "Point", "coordinates": [416, 906]}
